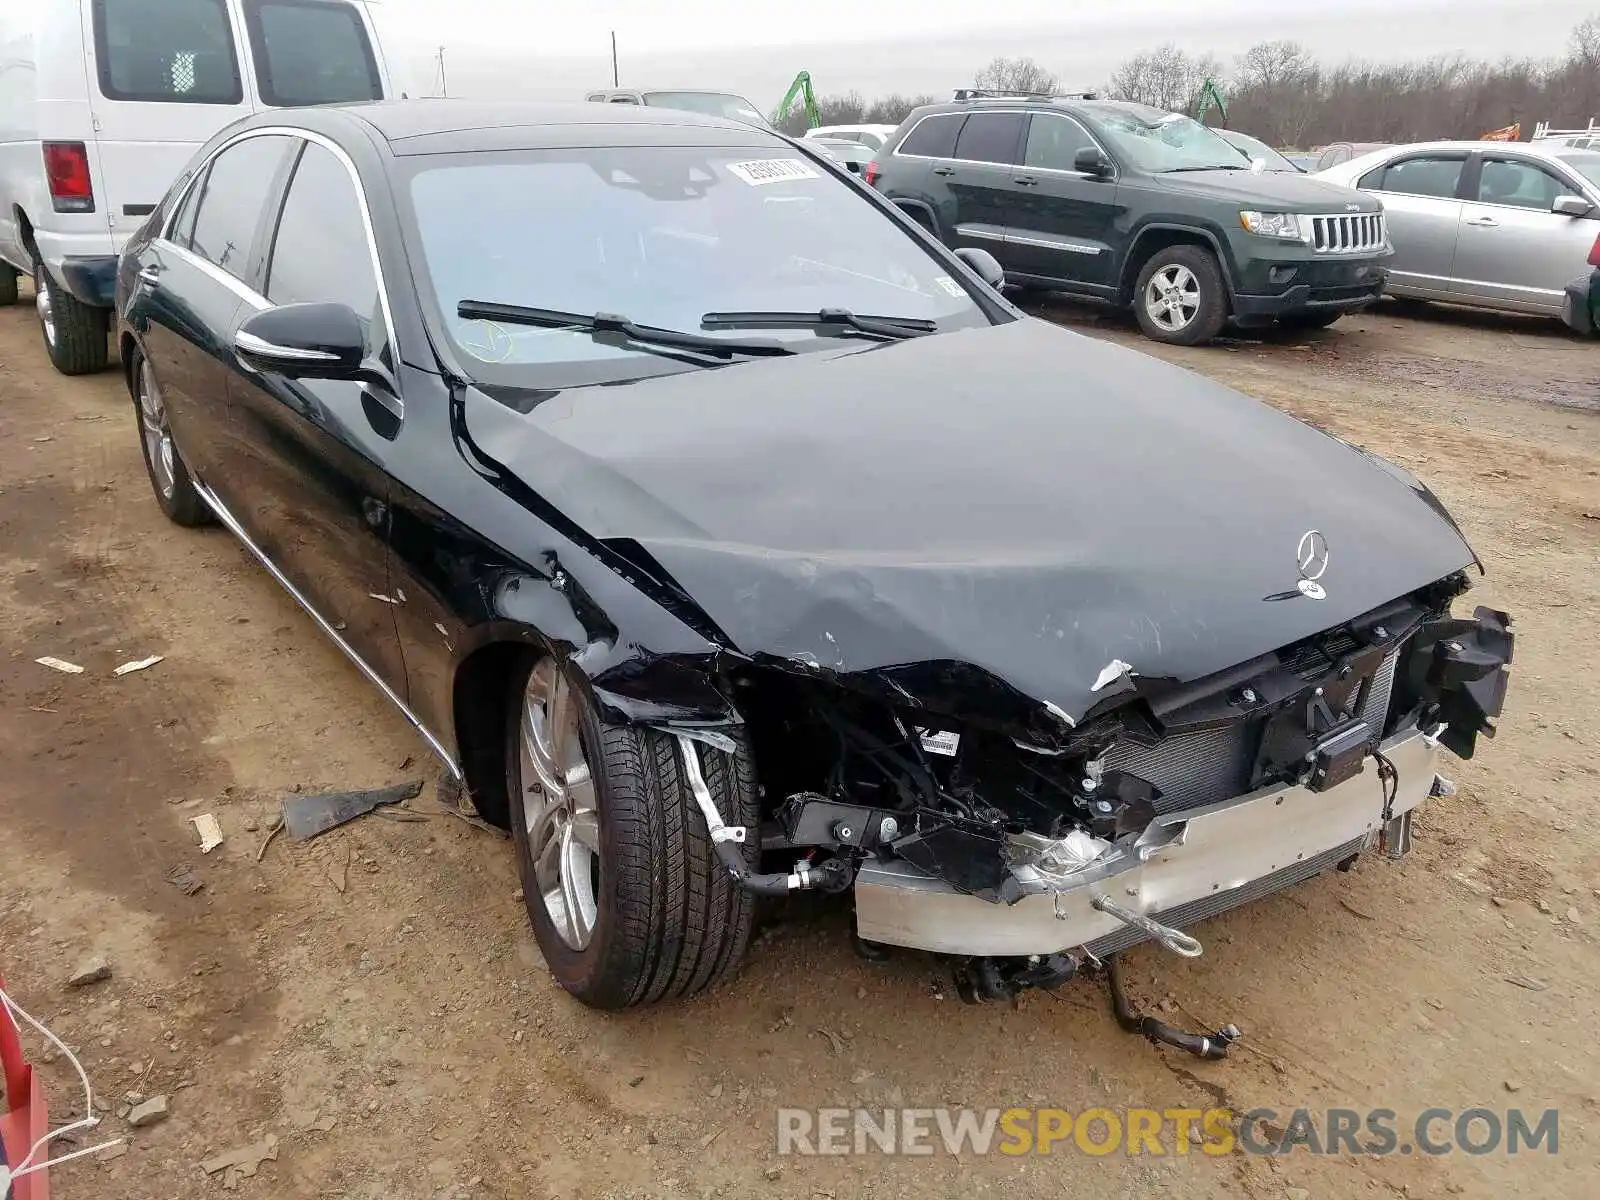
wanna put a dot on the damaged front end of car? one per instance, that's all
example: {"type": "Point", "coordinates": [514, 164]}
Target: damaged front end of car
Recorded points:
{"type": "Point", "coordinates": [1023, 842]}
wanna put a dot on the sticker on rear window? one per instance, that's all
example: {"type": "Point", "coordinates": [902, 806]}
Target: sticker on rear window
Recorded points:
{"type": "Point", "coordinates": [949, 285]}
{"type": "Point", "coordinates": [771, 170]}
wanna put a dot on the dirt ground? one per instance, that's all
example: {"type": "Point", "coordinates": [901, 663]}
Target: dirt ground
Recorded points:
{"type": "Point", "coordinates": [374, 999]}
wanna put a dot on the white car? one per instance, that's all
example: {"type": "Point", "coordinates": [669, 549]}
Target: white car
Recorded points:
{"type": "Point", "coordinates": [853, 156]}
{"type": "Point", "coordinates": [102, 104]}
{"type": "Point", "coordinates": [871, 136]}
{"type": "Point", "coordinates": [1501, 225]}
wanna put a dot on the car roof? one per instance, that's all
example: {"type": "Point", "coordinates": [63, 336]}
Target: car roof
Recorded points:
{"type": "Point", "coordinates": [1533, 149]}
{"type": "Point", "coordinates": [442, 126]}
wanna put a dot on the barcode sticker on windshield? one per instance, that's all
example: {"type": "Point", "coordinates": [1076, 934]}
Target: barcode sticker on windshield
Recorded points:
{"type": "Point", "coordinates": [771, 170]}
{"type": "Point", "coordinates": [949, 285]}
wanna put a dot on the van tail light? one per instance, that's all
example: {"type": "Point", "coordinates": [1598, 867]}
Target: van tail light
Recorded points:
{"type": "Point", "coordinates": [870, 175]}
{"type": "Point", "coordinates": [1594, 253]}
{"type": "Point", "coordinates": [66, 167]}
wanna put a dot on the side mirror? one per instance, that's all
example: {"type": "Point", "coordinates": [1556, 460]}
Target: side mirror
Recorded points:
{"type": "Point", "coordinates": [985, 264]}
{"type": "Point", "coordinates": [1091, 161]}
{"type": "Point", "coordinates": [1571, 206]}
{"type": "Point", "coordinates": [304, 341]}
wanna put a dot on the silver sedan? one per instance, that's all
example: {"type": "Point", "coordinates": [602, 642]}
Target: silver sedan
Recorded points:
{"type": "Point", "coordinates": [1501, 225]}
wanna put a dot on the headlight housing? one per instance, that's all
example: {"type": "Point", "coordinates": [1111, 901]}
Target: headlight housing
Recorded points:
{"type": "Point", "coordinates": [1285, 227]}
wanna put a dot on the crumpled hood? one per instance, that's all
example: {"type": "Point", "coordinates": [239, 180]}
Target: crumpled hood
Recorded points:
{"type": "Point", "coordinates": [1272, 191]}
{"type": "Point", "coordinates": [1020, 499]}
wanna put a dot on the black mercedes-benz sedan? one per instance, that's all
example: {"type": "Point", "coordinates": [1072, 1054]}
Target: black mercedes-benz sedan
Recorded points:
{"type": "Point", "coordinates": [725, 535]}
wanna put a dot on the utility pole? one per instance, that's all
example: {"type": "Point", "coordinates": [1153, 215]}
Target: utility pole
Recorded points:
{"type": "Point", "coordinates": [444, 84]}
{"type": "Point", "coordinates": [614, 82]}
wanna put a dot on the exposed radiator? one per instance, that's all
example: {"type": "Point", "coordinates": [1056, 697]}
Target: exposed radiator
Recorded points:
{"type": "Point", "coordinates": [1196, 769]}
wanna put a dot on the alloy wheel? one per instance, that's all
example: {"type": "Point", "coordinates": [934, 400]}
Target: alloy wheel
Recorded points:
{"type": "Point", "coordinates": [157, 434]}
{"type": "Point", "coordinates": [558, 805]}
{"type": "Point", "coordinates": [1172, 297]}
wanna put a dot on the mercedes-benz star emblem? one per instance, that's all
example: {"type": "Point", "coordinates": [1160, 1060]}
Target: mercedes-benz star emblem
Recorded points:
{"type": "Point", "coordinates": [1312, 555]}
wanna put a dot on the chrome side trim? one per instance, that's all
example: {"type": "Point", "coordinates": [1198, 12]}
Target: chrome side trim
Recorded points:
{"type": "Point", "coordinates": [994, 234]}
{"type": "Point", "coordinates": [206, 267]}
{"type": "Point", "coordinates": [231, 523]}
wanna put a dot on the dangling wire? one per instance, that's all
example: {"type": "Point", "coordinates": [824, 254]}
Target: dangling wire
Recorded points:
{"type": "Point", "coordinates": [89, 1121]}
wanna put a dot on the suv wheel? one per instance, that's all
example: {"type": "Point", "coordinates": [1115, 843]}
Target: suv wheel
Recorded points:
{"type": "Point", "coordinates": [629, 901]}
{"type": "Point", "coordinates": [1180, 298]}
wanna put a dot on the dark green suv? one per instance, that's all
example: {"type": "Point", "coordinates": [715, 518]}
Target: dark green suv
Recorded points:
{"type": "Point", "coordinates": [1137, 207]}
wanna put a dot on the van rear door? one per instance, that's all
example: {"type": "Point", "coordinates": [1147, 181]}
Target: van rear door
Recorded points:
{"type": "Point", "coordinates": [163, 75]}
{"type": "Point", "coordinates": [313, 52]}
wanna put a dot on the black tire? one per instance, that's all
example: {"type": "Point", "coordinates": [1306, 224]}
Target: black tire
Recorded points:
{"type": "Point", "coordinates": [181, 503]}
{"type": "Point", "coordinates": [670, 921]}
{"type": "Point", "coordinates": [1211, 312]}
{"type": "Point", "coordinates": [78, 344]}
{"type": "Point", "coordinates": [8, 284]}
{"type": "Point", "coordinates": [1309, 319]}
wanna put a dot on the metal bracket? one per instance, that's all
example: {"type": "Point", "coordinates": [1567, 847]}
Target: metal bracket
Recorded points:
{"type": "Point", "coordinates": [1173, 939]}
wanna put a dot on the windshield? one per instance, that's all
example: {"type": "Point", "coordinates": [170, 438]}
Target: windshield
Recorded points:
{"type": "Point", "coordinates": [661, 235]}
{"type": "Point", "coordinates": [1162, 141]}
{"type": "Point", "coordinates": [1255, 148]}
{"type": "Point", "coordinates": [713, 104]}
{"type": "Point", "coordinates": [1585, 163]}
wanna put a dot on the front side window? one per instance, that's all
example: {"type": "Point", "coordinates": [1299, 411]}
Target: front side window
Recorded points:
{"type": "Point", "coordinates": [1054, 142]}
{"type": "Point", "coordinates": [1518, 184]}
{"type": "Point", "coordinates": [990, 137]}
{"type": "Point", "coordinates": [311, 52]}
{"type": "Point", "coordinates": [230, 209]}
{"type": "Point", "coordinates": [1157, 141]}
{"type": "Point", "coordinates": [320, 253]}
{"type": "Point", "coordinates": [933, 137]}
{"type": "Point", "coordinates": [1424, 176]}
{"type": "Point", "coordinates": [664, 236]}
{"type": "Point", "coordinates": [173, 51]}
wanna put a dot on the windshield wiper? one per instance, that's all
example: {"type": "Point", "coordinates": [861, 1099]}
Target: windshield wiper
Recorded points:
{"type": "Point", "coordinates": [1211, 167]}
{"type": "Point", "coordinates": [614, 329]}
{"type": "Point", "coordinates": [829, 322]}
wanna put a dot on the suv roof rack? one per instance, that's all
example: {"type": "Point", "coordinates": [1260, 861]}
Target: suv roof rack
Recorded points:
{"type": "Point", "coordinates": [1019, 94]}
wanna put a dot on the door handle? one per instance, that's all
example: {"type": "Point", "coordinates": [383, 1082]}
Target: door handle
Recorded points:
{"type": "Point", "coordinates": [944, 170]}
{"type": "Point", "coordinates": [1483, 222]}
{"type": "Point", "coordinates": [1025, 180]}
{"type": "Point", "coordinates": [150, 275]}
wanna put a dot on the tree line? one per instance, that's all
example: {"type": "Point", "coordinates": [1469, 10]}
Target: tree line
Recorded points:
{"type": "Point", "coordinates": [1279, 92]}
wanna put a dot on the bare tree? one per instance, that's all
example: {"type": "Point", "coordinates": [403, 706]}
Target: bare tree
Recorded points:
{"type": "Point", "coordinates": [1165, 77]}
{"type": "Point", "coordinates": [1015, 75]}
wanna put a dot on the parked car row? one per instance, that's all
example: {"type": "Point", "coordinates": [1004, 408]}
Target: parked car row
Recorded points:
{"type": "Point", "coordinates": [583, 432]}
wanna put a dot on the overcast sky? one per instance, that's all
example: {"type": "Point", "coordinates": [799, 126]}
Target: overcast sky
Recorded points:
{"type": "Point", "coordinates": [521, 48]}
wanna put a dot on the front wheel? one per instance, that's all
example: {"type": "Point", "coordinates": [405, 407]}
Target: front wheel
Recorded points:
{"type": "Point", "coordinates": [1180, 298]}
{"type": "Point", "coordinates": [628, 900]}
{"type": "Point", "coordinates": [74, 332]}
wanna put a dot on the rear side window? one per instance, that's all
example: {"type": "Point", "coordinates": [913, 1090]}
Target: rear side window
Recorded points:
{"type": "Point", "coordinates": [1425, 176]}
{"type": "Point", "coordinates": [230, 211]}
{"type": "Point", "coordinates": [990, 137]}
{"type": "Point", "coordinates": [310, 52]}
{"type": "Point", "coordinates": [321, 253]}
{"type": "Point", "coordinates": [175, 51]}
{"type": "Point", "coordinates": [933, 137]}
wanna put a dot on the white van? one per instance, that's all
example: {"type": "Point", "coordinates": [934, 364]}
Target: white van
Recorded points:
{"type": "Point", "coordinates": [102, 104]}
